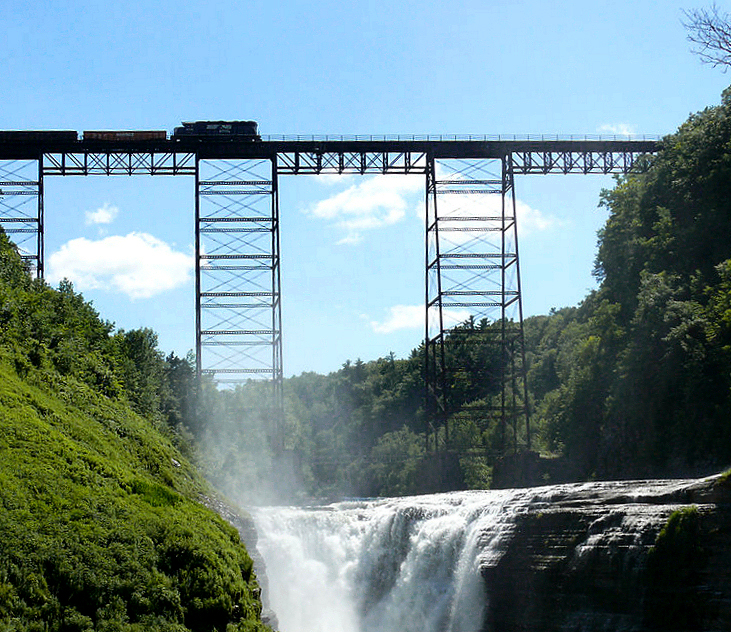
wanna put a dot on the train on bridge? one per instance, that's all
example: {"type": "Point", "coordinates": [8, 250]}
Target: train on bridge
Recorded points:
{"type": "Point", "coordinates": [203, 130]}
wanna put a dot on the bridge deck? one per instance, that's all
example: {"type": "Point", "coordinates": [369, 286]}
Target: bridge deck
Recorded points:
{"type": "Point", "coordinates": [313, 156]}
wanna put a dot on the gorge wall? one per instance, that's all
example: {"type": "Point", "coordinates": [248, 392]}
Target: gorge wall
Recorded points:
{"type": "Point", "coordinates": [619, 556]}
{"type": "Point", "coordinates": [615, 556]}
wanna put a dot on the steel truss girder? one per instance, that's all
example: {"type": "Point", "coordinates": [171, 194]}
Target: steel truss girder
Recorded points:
{"type": "Point", "coordinates": [525, 162]}
{"type": "Point", "coordinates": [473, 276]}
{"type": "Point", "coordinates": [21, 209]}
{"type": "Point", "coordinates": [356, 162]}
{"type": "Point", "coordinates": [111, 163]}
{"type": "Point", "coordinates": [568, 161]}
{"type": "Point", "coordinates": [332, 154]}
{"type": "Point", "coordinates": [335, 161]}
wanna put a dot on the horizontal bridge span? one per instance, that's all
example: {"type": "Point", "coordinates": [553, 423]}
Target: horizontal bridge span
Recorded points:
{"type": "Point", "coordinates": [312, 156]}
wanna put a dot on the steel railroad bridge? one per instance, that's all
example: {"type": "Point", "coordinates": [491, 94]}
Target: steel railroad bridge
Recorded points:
{"type": "Point", "coordinates": [471, 257]}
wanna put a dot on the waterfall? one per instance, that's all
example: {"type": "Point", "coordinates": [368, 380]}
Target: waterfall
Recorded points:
{"type": "Point", "coordinates": [433, 563]}
{"type": "Point", "coordinates": [389, 565]}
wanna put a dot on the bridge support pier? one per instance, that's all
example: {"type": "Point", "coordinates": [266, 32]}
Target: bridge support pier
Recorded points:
{"type": "Point", "coordinates": [474, 338]}
{"type": "Point", "coordinates": [238, 295]}
{"type": "Point", "coordinates": [21, 209]}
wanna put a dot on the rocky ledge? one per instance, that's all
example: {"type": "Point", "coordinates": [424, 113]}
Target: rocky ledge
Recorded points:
{"type": "Point", "coordinates": [620, 556]}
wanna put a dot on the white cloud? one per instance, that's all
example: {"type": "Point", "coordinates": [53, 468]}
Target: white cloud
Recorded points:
{"type": "Point", "coordinates": [368, 205]}
{"type": "Point", "coordinates": [530, 220]}
{"type": "Point", "coordinates": [400, 317]}
{"type": "Point", "coordinates": [617, 129]}
{"type": "Point", "coordinates": [138, 265]}
{"type": "Point", "coordinates": [453, 317]}
{"type": "Point", "coordinates": [332, 179]}
{"type": "Point", "coordinates": [104, 215]}
{"type": "Point", "coordinates": [384, 200]}
{"type": "Point", "coordinates": [412, 317]}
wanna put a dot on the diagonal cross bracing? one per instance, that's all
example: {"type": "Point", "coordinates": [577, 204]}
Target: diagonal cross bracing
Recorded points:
{"type": "Point", "coordinates": [238, 297]}
{"type": "Point", "coordinates": [473, 280]}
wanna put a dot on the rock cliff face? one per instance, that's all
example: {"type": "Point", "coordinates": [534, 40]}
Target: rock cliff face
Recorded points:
{"type": "Point", "coordinates": [618, 556]}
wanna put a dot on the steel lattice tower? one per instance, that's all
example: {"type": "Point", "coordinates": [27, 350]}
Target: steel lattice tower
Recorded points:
{"type": "Point", "coordinates": [473, 275]}
{"type": "Point", "coordinates": [238, 296]}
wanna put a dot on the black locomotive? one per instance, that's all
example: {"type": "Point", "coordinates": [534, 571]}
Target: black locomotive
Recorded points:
{"type": "Point", "coordinates": [233, 130]}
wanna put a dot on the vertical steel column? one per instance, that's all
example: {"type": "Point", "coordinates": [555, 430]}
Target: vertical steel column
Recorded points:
{"type": "Point", "coordinates": [21, 209]}
{"type": "Point", "coordinates": [198, 337]}
{"type": "Point", "coordinates": [238, 295]}
{"type": "Point", "coordinates": [515, 383]}
{"type": "Point", "coordinates": [40, 243]}
{"type": "Point", "coordinates": [519, 366]}
{"type": "Point", "coordinates": [472, 283]}
{"type": "Point", "coordinates": [434, 354]}
{"type": "Point", "coordinates": [277, 342]}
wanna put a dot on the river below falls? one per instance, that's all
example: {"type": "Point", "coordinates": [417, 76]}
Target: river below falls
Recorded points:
{"type": "Point", "coordinates": [415, 564]}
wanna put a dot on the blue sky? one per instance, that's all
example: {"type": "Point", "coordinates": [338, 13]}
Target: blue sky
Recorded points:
{"type": "Point", "coordinates": [352, 270]}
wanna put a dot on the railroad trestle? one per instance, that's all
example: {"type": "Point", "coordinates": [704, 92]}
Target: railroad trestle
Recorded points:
{"type": "Point", "coordinates": [471, 256]}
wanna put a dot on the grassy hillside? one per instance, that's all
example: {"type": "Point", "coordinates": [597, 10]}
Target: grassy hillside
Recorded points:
{"type": "Point", "coordinates": [101, 525]}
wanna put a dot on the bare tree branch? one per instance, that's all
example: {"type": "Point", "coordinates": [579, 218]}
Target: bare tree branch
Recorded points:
{"type": "Point", "coordinates": [710, 33]}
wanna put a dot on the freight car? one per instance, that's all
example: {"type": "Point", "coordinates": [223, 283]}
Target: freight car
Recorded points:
{"type": "Point", "coordinates": [36, 137]}
{"type": "Point", "coordinates": [129, 136]}
{"type": "Point", "coordinates": [233, 130]}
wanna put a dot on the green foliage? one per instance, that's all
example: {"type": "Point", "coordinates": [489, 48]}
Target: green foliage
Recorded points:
{"type": "Point", "coordinates": [678, 542]}
{"type": "Point", "coordinates": [142, 368]}
{"type": "Point", "coordinates": [154, 494]}
{"type": "Point", "coordinates": [637, 381]}
{"type": "Point", "coordinates": [100, 522]}
{"type": "Point", "coordinates": [402, 448]}
{"type": "Point", "coordinates": [57, 331]}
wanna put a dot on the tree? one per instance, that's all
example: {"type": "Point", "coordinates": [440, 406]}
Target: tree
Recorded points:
{"type": "Point", "coordinates": [142, 367]}
{"type": "Point", "coordinates": [710, 33]}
